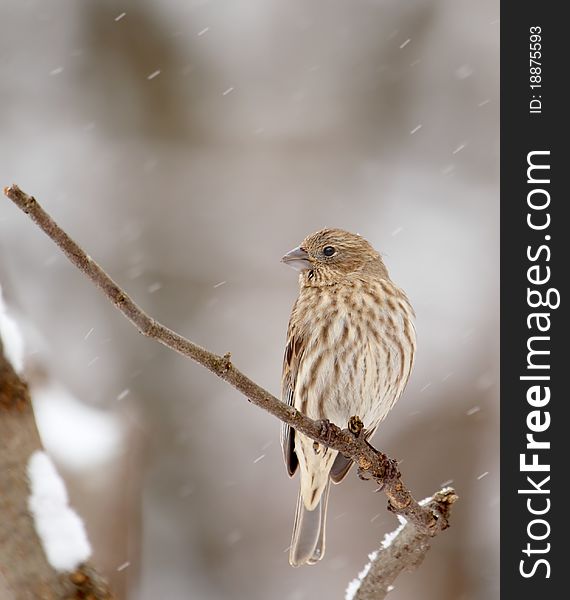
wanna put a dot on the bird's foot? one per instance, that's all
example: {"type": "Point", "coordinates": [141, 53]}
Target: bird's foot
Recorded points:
{"type": "Point", "coordinates": [391, 470]}
{"type": "Point", "coordinates": [355, 425]}
{"type": "Point", "coordinates": [327, 430]}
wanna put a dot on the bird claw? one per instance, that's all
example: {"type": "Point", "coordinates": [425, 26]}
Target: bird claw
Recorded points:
{"type": "Point", "coordinates": [391, 470]}
{"type": "Point", "coordinates": [326, 430]}
{"type": "Point", "coordinates": [363, 474]}
{"type": "Point", "coordinates": [355, 425]}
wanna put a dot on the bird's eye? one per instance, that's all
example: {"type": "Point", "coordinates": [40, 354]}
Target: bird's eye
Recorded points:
{"type": "Point", "coordinates": [328, 250]}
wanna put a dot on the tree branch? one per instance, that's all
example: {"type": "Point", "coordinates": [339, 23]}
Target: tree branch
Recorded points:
{"type": "Point", "coordinates": [24, 570]}
{"type": "Point", "coordinates": [402, 550]}
{"type": "Point", "coordinates": [428, 520]}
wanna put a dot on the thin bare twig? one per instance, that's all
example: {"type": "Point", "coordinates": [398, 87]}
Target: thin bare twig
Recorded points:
{"type": "Point", "coordinates": [371, 463]}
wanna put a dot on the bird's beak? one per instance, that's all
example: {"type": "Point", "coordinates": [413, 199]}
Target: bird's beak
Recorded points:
{"type": "Point", "coordinates": [297, 259]}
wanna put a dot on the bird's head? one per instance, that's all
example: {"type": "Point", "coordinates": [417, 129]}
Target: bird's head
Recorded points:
{"type": "Point", "coordinates": [332, 255]}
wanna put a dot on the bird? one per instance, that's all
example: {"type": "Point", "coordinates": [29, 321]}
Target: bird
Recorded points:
{"type": "Point", "coordinates": [350, 349]}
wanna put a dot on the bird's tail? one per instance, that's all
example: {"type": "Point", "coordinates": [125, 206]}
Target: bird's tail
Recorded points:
{"type": "Point", "coordinates": [308, 542]}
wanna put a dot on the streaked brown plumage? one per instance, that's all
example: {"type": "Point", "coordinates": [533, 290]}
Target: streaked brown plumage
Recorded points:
{"type": "Point", "coordinates": [350, 350]}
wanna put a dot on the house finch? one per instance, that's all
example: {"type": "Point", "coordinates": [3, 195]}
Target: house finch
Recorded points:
{"type": "Point", "coordinates": [350, 350]}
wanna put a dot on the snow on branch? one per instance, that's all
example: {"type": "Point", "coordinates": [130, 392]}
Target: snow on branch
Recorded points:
{"type": "Point", "coordinates": [59, 527]}
{"type": "Point", "coordinates": [401, 550]}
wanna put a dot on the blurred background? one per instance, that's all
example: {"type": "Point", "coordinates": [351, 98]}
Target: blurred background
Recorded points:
{"type": "Point", "coordinates": [187, 145]}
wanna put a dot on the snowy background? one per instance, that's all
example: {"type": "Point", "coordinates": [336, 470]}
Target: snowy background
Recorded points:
{"type": "Point", "coordinates": [187, 145]}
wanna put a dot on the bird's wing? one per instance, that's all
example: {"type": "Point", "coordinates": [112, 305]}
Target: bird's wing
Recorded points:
{"type": "Point", "coordinates": [293, 354]}
{"type": "Point", "coordinates": [340, 468]}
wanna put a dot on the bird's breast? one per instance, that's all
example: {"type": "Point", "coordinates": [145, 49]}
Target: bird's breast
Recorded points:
{"type": "Point", "coordinates": [356, 359]}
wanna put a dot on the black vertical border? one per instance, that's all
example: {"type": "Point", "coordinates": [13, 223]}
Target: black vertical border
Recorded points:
{"type": "Point", "coordinates": [521, 133]}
